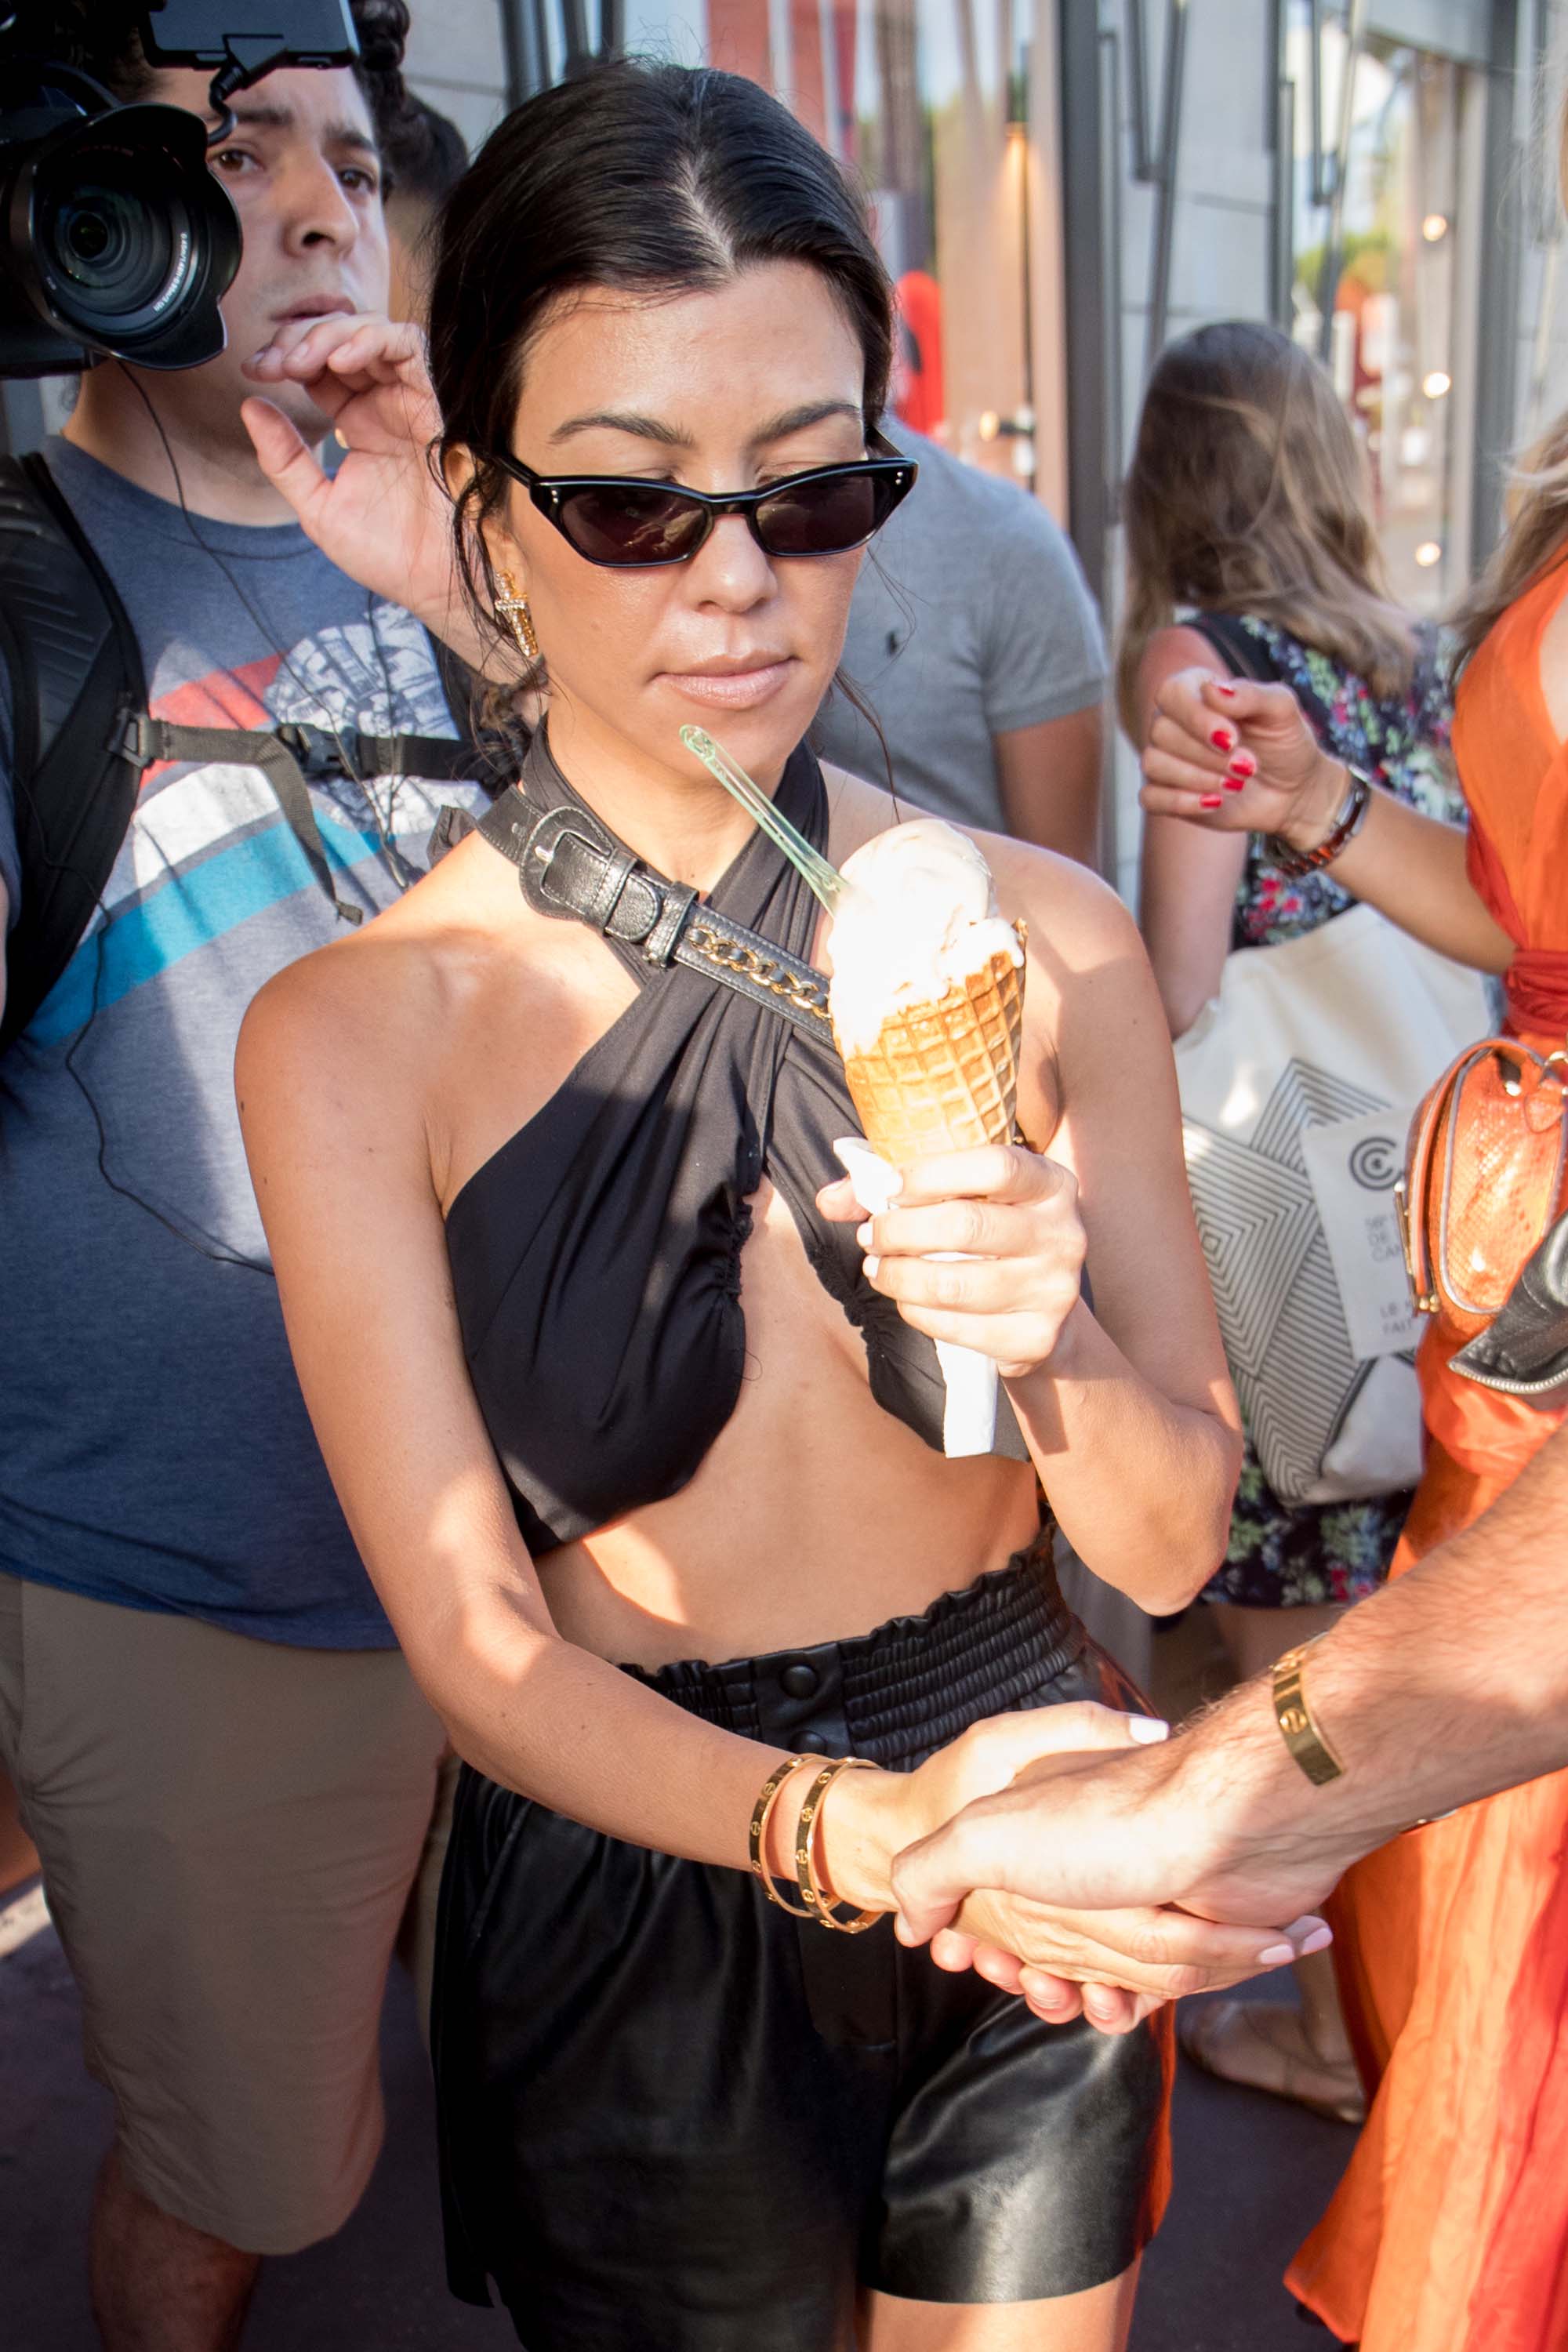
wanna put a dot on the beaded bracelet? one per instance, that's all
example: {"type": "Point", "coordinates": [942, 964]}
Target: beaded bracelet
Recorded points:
{"type": "Point", "coordinates": [1351, 816]}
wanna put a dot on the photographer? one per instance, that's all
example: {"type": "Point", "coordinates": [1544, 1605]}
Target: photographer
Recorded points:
{"type": "Point", "coordinates": [218, 1750]}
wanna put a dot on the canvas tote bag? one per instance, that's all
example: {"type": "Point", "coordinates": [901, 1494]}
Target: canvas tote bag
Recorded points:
{"type": "Point", "coordinates": [1298, 1084]}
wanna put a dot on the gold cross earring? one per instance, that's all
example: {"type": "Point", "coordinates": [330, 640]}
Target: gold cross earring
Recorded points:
{"type": "Point", "coordinates": [512, 609]}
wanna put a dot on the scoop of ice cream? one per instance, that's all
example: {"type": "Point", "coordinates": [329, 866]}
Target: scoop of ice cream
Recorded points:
{"type": "Point", "coordinates": [920, 915]}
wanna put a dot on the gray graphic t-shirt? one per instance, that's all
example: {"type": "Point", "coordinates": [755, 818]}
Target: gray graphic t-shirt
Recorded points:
{"type": "Point", "coordinates": [154, 1450]}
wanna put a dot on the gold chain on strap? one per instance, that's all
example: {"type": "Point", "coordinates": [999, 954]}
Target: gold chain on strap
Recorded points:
{"type": "Point", "coordinates": [735, 957]}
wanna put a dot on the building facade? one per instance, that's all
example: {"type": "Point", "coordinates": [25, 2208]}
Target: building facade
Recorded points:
{"type": "Point", "coordinates": [1060, 185]}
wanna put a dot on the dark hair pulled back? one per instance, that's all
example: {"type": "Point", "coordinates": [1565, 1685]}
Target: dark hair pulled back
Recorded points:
{"type": "Point", "coordinates": [665, 178]}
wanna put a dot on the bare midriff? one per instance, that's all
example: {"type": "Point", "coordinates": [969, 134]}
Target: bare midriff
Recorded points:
{"type": "Point", "coordinates": [816, 1515]}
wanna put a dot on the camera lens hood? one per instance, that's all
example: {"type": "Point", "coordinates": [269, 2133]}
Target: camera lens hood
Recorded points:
{"type": "Point", "coordinates": [118, 237]}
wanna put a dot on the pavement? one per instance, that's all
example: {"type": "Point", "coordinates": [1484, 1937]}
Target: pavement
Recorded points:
{"type": "Point", "coordinates": [1251, 2174]}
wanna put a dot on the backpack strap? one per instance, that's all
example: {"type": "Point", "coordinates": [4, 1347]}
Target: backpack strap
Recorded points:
{"type": "Point", "coordinates": [76, 676]}
{"type": "Point", "coordinates": [293, 754]}
{"type": "Point", "coordinates": [83, 737]}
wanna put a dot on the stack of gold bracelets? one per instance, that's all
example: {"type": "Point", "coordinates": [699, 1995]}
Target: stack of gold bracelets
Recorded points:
{"type": "Point", "coordinates": [815, 1903]}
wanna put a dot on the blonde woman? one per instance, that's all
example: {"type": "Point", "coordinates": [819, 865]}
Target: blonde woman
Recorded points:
{"type": "Point", "coordinates": [1247, 507]}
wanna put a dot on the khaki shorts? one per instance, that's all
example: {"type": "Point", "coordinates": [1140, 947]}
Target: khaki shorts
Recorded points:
{"type": "Point", "coordinates": [230, 1831]}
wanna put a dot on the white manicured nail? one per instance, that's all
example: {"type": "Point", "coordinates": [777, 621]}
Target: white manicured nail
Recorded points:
{"type": "Point", "coordinates": [1148, 1727]}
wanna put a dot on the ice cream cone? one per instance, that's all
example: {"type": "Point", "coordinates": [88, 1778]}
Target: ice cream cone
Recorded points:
{"type": "Point", "coordinates": [945, 1076]}
{"type": "Point", "coordinates": [926, 1001]}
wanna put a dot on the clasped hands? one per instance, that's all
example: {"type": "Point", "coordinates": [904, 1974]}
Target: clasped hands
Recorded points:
{"type": "Point", "coordinates": [967, 1832]}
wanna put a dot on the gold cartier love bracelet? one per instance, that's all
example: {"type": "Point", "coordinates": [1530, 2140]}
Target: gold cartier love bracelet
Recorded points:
{"type": "Point", "coordinates": [767, 1797]}
{"type": "Point", "coordinates": [1294, 1716]}
{"type": "Point", "coordinates": [817, 1904]}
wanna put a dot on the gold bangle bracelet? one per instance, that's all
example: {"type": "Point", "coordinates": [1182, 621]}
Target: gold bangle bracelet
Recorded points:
{"type": "Point", "coordinates": [756, 1837]}
{"type": "Point", "coordinates": [1294, 1716]}
{"type": "Point", "coordinates": [818, 1904]}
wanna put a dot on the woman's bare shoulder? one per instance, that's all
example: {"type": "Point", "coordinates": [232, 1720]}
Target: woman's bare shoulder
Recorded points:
{"type": "Point", "coordinates": [1076, 919]}
{"type": "Point", "coordinates": [1168, 652]}
{"type": "Point", "coordinates": [858, 811]}
{"type": "Point", "coordinates": [370, 1006]}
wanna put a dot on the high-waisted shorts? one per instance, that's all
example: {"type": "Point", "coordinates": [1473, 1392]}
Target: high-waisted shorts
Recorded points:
{"type": "Point", "coordinates": [676, 2120]}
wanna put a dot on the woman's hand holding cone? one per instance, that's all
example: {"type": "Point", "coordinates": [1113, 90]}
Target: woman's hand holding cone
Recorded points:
{"type": "Point", "coordinates": [1005, 1221]}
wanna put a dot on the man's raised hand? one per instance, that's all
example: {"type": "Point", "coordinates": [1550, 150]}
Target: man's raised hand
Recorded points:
{"type": "Point", "coordinates": [383, 517]}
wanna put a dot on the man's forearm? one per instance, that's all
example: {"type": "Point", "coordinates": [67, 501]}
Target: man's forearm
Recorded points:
{"type": "Point", "coordinates": [1446, 1686]}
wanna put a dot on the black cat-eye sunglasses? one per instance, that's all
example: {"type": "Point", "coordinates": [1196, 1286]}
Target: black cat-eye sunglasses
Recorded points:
{"type": "Point", "coordinates": [620, 521]}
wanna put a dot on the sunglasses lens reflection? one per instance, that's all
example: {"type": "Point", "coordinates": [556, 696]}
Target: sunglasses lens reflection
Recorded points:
{"type": "Point", "coordinates": [821, 517]}
{"type": "Point", "coordinates": [631, 526]}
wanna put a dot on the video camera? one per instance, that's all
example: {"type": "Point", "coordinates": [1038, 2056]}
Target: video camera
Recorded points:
{"type": "Point", "coordinates": [115, 239]}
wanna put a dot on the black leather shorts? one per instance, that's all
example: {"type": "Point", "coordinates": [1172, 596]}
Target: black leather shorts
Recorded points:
{"type": "Point", "coordinates": [676, 2120]}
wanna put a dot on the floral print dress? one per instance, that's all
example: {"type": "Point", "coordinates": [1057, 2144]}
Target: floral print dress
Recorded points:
{"type": "Point", "coordinates": [1284, 1555]}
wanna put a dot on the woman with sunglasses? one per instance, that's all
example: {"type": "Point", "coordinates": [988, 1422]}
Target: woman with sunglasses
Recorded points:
{"type": "Point", "coordinates": [637, 1424]}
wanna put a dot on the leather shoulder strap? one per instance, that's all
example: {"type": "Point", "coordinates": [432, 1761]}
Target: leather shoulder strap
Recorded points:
{"type": "Point", "coordinates": [572, 869]}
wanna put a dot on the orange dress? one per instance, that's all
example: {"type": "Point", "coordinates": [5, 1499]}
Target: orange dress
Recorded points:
{"type": "Point", "coordinates": [1449, 2231]}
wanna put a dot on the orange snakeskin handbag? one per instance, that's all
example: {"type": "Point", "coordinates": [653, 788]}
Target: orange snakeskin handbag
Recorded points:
{"type": "Point", "coordinates": [1483, 1178]}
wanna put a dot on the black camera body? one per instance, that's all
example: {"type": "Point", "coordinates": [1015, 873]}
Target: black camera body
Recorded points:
{"type": "Point", "coordinates": [115, 239]}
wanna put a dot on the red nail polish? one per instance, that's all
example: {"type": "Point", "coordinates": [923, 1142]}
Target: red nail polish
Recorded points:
{"type": "Point", "coordinates": [1223, 686]}
{"type": "Point", "coordinates": [1243, 766]}
{"type": "Point", "coordinates": [1212, 800]}
{"type": "Point", "coordinates": [1235, 783]}
{"type": "Point", "coordinates": [1223, 739]}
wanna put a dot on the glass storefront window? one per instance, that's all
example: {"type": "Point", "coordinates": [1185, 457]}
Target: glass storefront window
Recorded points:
{"type": "Point", "coordinates": [929, 102]}
{"type": "Point", "coordinates": [1385, 281]}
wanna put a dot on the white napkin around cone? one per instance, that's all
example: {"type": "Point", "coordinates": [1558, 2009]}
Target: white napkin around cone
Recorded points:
{"type": "Point", "coordinates": [969, 1416]}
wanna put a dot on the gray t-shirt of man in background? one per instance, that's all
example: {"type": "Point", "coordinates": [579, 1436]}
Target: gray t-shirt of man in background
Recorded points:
{"type": "Point", "coordinates": [971, 618]}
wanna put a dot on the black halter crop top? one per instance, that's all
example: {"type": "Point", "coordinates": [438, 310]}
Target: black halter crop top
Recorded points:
{"type": "Point", "coordinates": [596, 1256]}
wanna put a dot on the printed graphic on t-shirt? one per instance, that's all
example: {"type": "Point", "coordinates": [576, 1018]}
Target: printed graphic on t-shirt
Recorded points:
{"type": "Point", "coordinates": [211, 894]}
{"type": "Point", "coordinates": [209, 848]}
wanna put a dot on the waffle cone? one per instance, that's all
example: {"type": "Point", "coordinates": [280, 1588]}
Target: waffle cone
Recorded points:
{"type": "Point", "coordinates": [945, 1076]}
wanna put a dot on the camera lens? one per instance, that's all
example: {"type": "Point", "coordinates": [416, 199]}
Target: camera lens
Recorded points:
{"type": "Point", "coordinates": [86, 237]}
{"type": "Point", "coordinates": [115, 233]}
{"type": "Point", "coordinates": [115, 239]}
